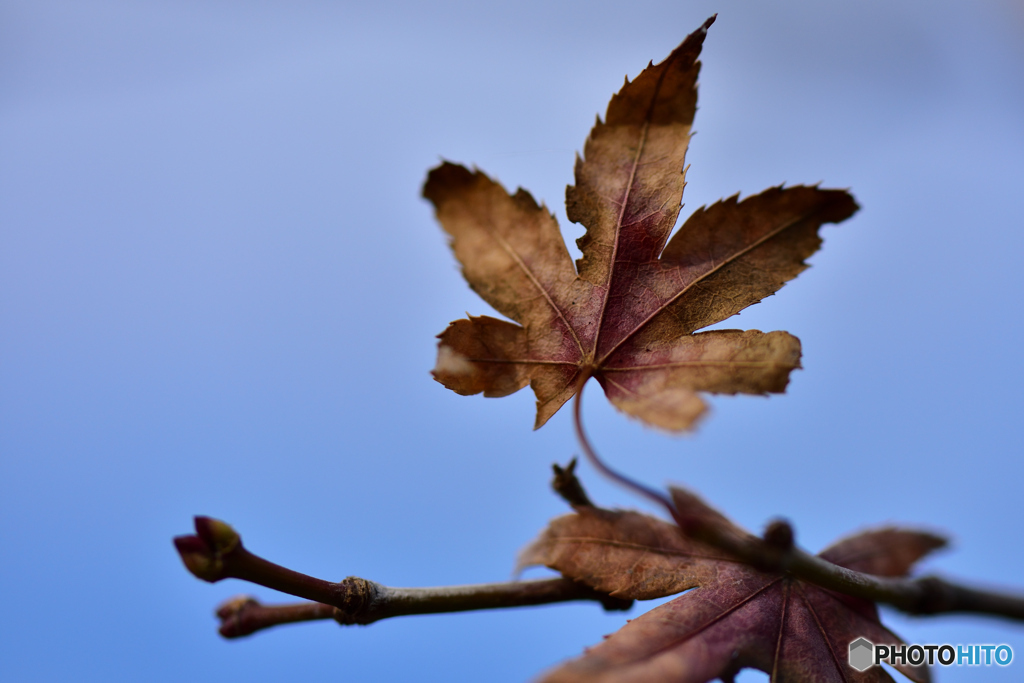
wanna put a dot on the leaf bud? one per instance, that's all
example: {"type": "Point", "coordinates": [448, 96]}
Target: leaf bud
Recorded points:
{"type": "Point", "coordinates": [217, 534]}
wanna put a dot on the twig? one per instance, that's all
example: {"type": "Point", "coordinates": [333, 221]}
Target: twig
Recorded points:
{"type": "Point", "coordinates": [244, 615]}
{"type": "Point", "coordinates": [568, 486]}
{"type": "Point", "coordinates": [216, 552]}
{"type": "Point", "coordinates": [919, 596]}
{"type": "Point", "coordinates": [777, 553]}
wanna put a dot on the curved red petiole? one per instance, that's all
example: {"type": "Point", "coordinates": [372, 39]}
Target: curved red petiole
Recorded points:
{"type": "Point", "coordinates": [641, 489]}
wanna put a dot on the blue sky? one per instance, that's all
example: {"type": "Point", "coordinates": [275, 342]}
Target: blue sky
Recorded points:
{"type": "Point", "coordinates": [219, 291]}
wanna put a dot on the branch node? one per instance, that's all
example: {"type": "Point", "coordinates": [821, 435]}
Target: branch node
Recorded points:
{"type": "Point", "coordinates": [937, 596]}
{"type": "Point", "coordinates": [779, 534]}
{"type": "Point", "coordinates": [355, 597]}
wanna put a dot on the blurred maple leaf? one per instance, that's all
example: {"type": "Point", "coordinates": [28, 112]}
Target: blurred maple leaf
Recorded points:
{"type": "Point", "coordinates": [735, 616]}
{"type": "Point", "coordinates": [627, 314]}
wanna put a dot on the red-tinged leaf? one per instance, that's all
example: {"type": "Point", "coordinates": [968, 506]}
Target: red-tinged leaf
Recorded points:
{"type": "Point", "coordinates": [734, 617]}
{"type": "Point", "coordinates": [627, 313]}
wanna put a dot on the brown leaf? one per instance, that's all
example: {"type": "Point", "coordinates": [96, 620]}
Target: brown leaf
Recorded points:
{"type": "Point", "coordinates": [627, 313]}
{"type": "Point", "coordinates": [735, 616]}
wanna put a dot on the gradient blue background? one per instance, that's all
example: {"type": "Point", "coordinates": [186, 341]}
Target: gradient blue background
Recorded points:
{"type": "Point", "coordinates": [219, 291]}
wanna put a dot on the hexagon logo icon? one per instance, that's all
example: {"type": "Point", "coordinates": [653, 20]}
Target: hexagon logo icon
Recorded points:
{"type": "Point", "coordinates": [862, 654]}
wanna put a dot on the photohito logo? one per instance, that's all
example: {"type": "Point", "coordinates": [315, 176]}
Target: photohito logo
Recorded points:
{"type": "Point", "coordinates": [864, 654]}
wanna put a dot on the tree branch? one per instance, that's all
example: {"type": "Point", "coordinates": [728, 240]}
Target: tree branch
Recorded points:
{"type": "Point", "coordinates": [918, 596]}
{"type": "Point", "coordinates": [216, 552]}
{"type": "Point", "coordinates": [778, 553]}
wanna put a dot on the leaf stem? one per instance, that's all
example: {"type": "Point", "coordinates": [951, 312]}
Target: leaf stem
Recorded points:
{"type": "Point", "coordinates": [643, 490]}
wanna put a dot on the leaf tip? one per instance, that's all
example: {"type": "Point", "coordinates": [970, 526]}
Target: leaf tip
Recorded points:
{"type": "Point", "coordinates": [444, 178]}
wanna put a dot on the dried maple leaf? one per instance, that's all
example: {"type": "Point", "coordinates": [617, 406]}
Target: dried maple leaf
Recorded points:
{"type": "Point", "coordinates": [735, 616]}
{"type": "Point", "coordinates": [627, 317]}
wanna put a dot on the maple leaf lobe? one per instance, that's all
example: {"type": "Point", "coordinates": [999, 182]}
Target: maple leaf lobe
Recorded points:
{"type": "Point", "coordinates": [627, 312]}
{"type": "Point", "coordinates": [735, 616]}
